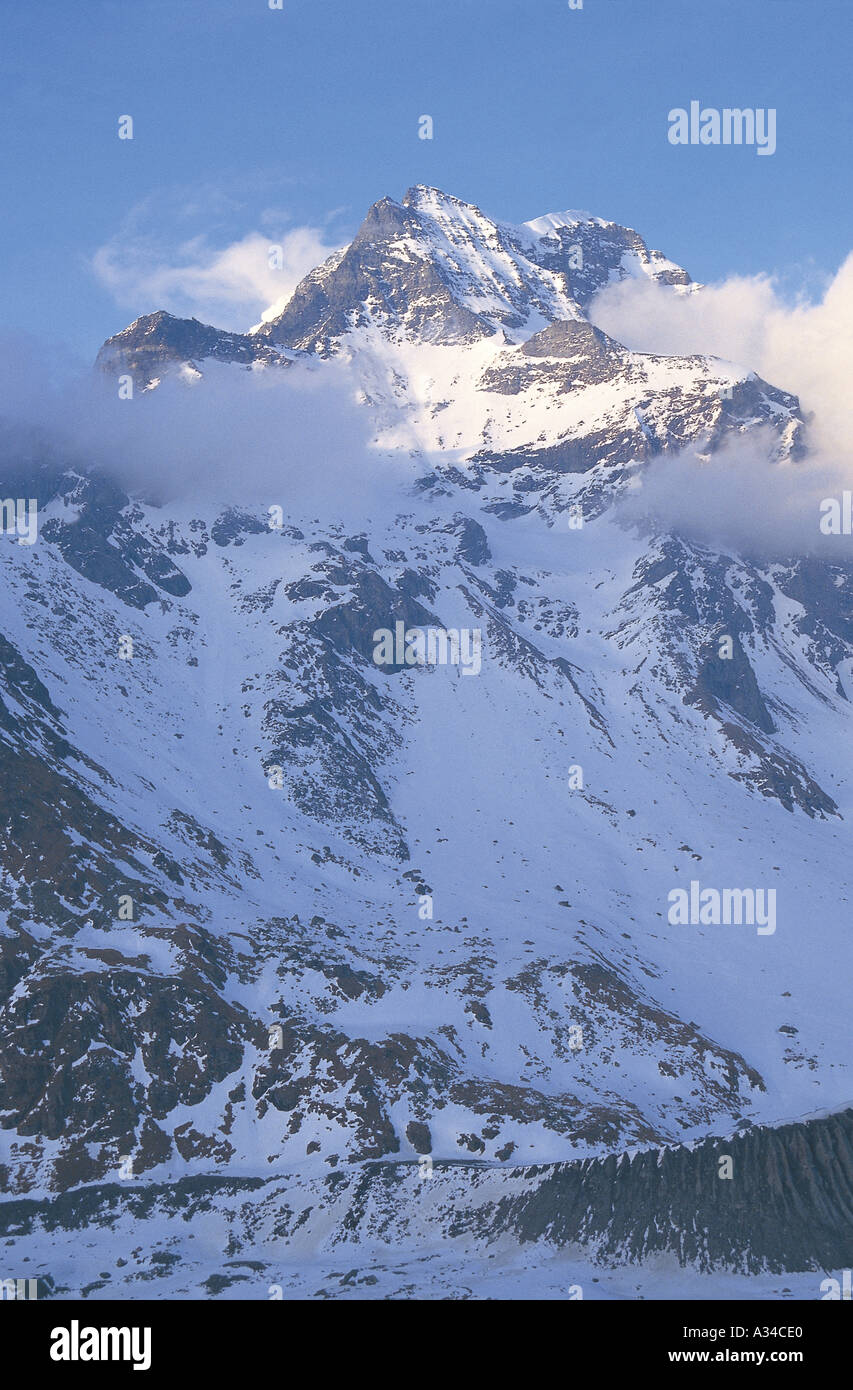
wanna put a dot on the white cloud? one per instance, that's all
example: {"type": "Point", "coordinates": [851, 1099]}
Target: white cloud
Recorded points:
{"type": "Point", "coordinates": [230, 287]}
{"type": "Point", "coordinates": [294, 436]}
{"type": "Point", "coordinates": [740, 499]}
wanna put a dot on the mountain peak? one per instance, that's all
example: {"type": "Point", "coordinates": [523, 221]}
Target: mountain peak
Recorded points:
{"type": "Point", "coordinates": [435, 268]}
{"type": "Point", "coordinates": [423, 197]}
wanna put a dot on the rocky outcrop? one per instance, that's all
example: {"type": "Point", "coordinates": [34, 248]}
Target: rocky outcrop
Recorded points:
{"type": "Point", "coordinates": [159, 340]}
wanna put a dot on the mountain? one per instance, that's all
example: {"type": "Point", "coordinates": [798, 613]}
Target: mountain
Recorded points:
{"type": "Point", "coordinates": [283, 926]}
{"type": "Point", "coordinates": [156, 342]}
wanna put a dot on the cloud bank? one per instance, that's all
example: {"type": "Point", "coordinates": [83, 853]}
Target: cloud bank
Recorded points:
{"type": "Point", "coordinates": [295, 437]}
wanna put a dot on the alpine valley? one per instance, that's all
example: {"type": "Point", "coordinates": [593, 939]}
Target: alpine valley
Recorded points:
{"type": "Point", "coordinates": [325, 977]}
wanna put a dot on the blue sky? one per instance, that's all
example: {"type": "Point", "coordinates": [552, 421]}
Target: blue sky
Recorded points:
{"type": "Point", "coordinates": [250, 122]}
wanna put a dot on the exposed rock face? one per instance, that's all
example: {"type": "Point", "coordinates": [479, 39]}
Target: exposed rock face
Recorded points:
{"type": "Point", "coordinates": [157, 341]}
{"type": "Point", "coordinates": [576, 340]}
{"type": "Point", "coordinates": [787, 1205]}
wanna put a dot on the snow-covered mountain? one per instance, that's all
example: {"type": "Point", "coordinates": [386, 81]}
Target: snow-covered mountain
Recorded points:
{"type": "Point", "coordinates": [403, 915]}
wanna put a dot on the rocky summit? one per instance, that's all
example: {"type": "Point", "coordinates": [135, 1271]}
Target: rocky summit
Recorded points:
{"type": "Point", "coordinates": [323, 973]}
